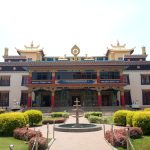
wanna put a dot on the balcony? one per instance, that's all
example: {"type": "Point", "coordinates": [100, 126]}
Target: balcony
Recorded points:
{"type": "Point", "coordinates": [110, 81]}
{"type": "Point", "coordinates": [41, 82]}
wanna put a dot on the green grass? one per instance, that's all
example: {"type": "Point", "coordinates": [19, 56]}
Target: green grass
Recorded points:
{"type": "Point", "coordinates": [18, 144]}
{"type": "Point", "coordinates": [140, 144]}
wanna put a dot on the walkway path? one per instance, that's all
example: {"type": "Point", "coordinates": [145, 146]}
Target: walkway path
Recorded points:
{"type": "Point", "coordinates": [77, 141]}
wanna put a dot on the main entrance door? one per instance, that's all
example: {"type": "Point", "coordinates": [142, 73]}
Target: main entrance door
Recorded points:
{"type": "Point", "coordinates": [74, 98]}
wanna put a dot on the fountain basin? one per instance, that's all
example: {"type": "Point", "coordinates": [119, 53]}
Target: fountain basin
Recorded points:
{"type": "Point", "coordinates": [82, 127]}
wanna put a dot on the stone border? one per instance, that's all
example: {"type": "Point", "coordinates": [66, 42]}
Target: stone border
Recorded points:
{"type": "Point", "coordinates": [64, 128]}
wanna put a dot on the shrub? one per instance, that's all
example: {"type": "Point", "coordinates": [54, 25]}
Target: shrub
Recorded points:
{"type": "Point", "coordinates": [118, 140]}
{"type": "Point", "coordinates": [94, 119]}
{"type": "Point", "coordinates": [147, 109]}
{"type": "Point", "coordinates": [25, 134]}
{"type": "Point", "coordinates": [35, 116]}
{"type": "Point", "coordinates": [87, 114]}
{"type": "Point", "coordinates": [11, 121]}
{"type": "Point", "coordinates": [52, 120]}
{"type": "Point", "coordinates": [129, 117]}
{"type": "Point", "coordinates": [42, 143]}
{"type": "Point", "coordinates": [135, 132]}
{"type": "Point", "coordinates": [2, 111]}
{"type": "Point", "coordinates": [142, 120]}
{"type": "Point", "coordinates": [120, 117]}
{"type": "Point", "coordinates": [59, 114]}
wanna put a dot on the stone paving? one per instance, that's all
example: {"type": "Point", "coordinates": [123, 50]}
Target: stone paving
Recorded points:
{"type": "Point", "coordinates": [77, 141]}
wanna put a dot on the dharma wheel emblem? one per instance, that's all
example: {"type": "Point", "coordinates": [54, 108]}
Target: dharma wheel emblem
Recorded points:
{"type": "Point", "coordinates": [75, 51]}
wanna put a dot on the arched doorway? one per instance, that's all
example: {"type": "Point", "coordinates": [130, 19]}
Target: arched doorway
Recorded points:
{"type": "Point", "coordinates": [42, 98]}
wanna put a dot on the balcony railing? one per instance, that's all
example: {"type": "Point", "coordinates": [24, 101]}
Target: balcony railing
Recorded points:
{"type": "Point", "coordinates": [111, 81]}
{"type": "Point", "coordinates": [41, 81]}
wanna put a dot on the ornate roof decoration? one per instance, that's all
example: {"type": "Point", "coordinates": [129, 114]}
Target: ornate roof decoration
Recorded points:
{"type": "Point", "coordinates": [75, 50]}
{"type": "Point", "coordinates": [118, 47]}
{"type": "Point", "coordinates": [32, 46]}
{"type": "Point", "coordinates": [30, 49]}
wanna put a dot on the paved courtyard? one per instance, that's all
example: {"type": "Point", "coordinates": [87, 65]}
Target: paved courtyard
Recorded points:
{"type": "Point", "coordinates": [77, 141]}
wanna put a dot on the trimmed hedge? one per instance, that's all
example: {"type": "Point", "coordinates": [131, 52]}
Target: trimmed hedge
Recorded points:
{"type": "Point", "coordinates": [119, 117]}
{"type": "Point", "coordinates": [59, 114]}
{"type": "Point", "coordinates": [93, 113]}
{"type": "Point", "coordinates": [2, 111]}
{"type": "Point", "coordinates": [142, 119]}
{"type": "Point", "coordinates": [35, 116]}
{"type": "Point", "coordinates": [11, 121]}
{"type": "Point", "coordinates": [147, 109]}
{"type": "Point", "coordinates": [25, 134]}
{"type": "Point", "coordinates": [96, 119]}
{"type": "Point", "coordinates": [42, 143]}
{"type": "Point", "coordinates": [129, 117]}
{"type": "Point", "coordinates": [52, 120]}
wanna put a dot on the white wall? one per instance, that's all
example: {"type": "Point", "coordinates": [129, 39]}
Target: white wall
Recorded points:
{"type": "Point", "coordinates": [135, 86]}
{"type": "Point", "coordinates": [15, 87]}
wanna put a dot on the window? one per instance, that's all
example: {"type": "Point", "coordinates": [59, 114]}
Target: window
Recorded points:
{"type": "Point", "coordinates": [24, 80]}
{"type": "Point", "coordinates": [24, 98]}
{"type": "Point", "coordinates": [145, 79]}
{"type": "Point", "coordinates": [109, 75]}
{"type": "Point", "coordinates": [76, 75]}
{"type": "Point", "coordinates": [4, 98]}
{"type": "Point", "coordinates": [41, 76]}
{"type": "Point", "coordinates": [127, 96]}
{"type": "Point", "coordinates": [4, 80]}
{"type": "Point", "coordinates": [146, 97]}
{"type": "Point", "coordinates": [120, 58]}
{"type": "Point", "coordinates": [126, 79]}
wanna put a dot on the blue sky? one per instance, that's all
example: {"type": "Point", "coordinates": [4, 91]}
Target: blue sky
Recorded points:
{"type": "Point", "coordinates": [59, 24]}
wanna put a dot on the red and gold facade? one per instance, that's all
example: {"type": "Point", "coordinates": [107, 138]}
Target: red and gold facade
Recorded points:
{"type": "Point", "coordinates": [102, 89]}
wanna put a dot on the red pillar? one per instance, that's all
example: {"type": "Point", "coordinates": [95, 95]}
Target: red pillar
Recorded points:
{"type": "Point", "coordinates": [121, 78]}
{"type": "Point", "coordinates": [29, 100]}
{"type": "Point", "coordinates": [29, 79]}
{"type": "Point", "coordinates": [99, 102]}
{"type": "Point", "coordinates": [53, 99]}
{"type": "Point", "coordinates": [122, 98]}
{"type": "Point", "coordinates": [53, 78]}
{"type": "Point", "coordinates": [98, 77]}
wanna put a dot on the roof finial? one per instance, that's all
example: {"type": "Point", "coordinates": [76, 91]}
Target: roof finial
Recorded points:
{"type": "Point", "coordinates": [32, 44]}
{"type": "Point", "coordinates": [118, 44]}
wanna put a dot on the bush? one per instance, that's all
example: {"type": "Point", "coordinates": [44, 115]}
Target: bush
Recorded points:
{"type": "Point", "coordinates": [2, 111]}
{"type": "Point", "coordinates": [98, 114]}
{"type": "Point", "coordinates": [42, 143]}
{"type": "Point", "coordinates": [25, 134]}
{"type": "Point", "coordinates": [147, 109]}
{"type": "Point", "coordinates": [35, 116]}
{"type": "Point", "coordinates": [11, 121]}
{"type": "Point", "coordinates": [118, 141]}
{"type": "Point", "coordinates": [60, 114]}
{"type": "Point", "coordinates": [142, 119]}
{"type": "Point", "coordinates": [94, 119]}
{"type": "Point", "coordinates": [129, 117]}
{"type": "Point", "coordinates": [120, 117]}
{"type": "Point", "coordinates": [135, 132]}
{"type": "Point", "coordinates": [52, 120]}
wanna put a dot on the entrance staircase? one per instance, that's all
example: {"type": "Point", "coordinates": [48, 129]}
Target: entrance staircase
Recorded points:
{"type": "Point", "coordinates": [106, 110]}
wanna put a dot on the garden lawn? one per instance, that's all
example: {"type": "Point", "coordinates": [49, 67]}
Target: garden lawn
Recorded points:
{"type": "Point", "coordinates": [18, 144]}
{"type": "Point", "coordinates": [141, 144]}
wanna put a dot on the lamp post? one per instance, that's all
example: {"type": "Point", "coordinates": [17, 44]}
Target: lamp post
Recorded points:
{"type": "Point", "coordinates": [11, 146]}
